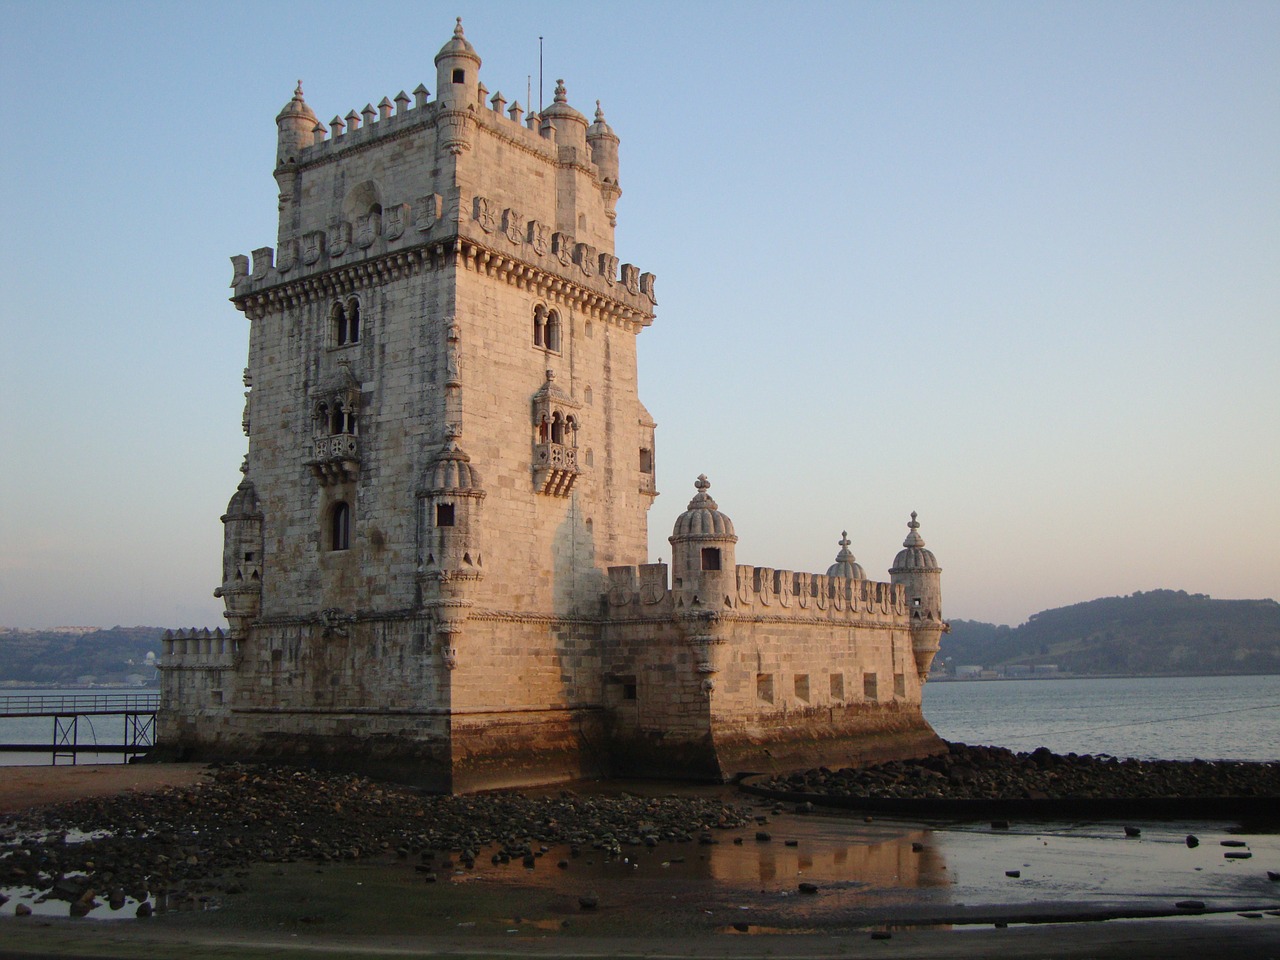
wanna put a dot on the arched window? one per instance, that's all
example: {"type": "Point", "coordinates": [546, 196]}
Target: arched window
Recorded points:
{"type": "Point", "coordinates": [557, 428]}
{"type": "Point", "coordinates": [346, 322]}
{"type": "Point", "coordinates": [340, 526]}
{"type": "Point", "coordinates": [571, 425]}
{"type": "Point", "coordinates": [553, 331]}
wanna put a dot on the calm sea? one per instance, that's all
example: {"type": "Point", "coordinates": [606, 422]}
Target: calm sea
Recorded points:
{"type": "Point", "coordinates": [1173, 718]}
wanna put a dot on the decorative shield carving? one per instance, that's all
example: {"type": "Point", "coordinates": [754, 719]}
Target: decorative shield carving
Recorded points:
{"type": "Point", "coordinates": [586, 257]}
{"type": "Point", "coordinates": [647, 280]}
{"type": "Point", "coordinates": [746, 591]}
{"type": "Point", "coordinates": [513, 225]}
{"type": "Point", "coordinates": [367, 230]}
{"type": "Point", "coordinates": [784, 587]}
{"type": "Point", "coordinates": [288, 256]}
{"type": "Point", "coordinates": [820, 591]}
{"type": "Point", "coordinates": [484, 212]}
{"type": "Point", "coordinates": [394, 221]}
{"type": "Point", "coordinates": [609, 268]}
{"type": "Point", "coordinates": [804, 590]}
{"type": "Point", "coordinates": [764, 585]}
{"type": "Point", "coordinates": [631, 278]}
{"type": "Point", "coordinates": [428, 212]}
{"type": "Point", "coordinates": [653, 583]}
{"type": "Point", "coordinates": [562, 248]}
{"type": "Point", "coordinates": [539, 237]}
{"type": "Point", "coordinates": [339, 238]}
{"type": "Point", "coordinates": [312, 247]}
{"type": "Point", "coordinates": [262, 262]}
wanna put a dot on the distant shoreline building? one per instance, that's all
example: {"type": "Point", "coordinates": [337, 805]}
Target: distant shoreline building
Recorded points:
{"type": "Point", "coordinates": [435, 566]}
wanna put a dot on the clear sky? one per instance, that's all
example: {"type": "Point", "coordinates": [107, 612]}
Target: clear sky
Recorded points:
{"type": "Point", "coordinates": [1013, 265]}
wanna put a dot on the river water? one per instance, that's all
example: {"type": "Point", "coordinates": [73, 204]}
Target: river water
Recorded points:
{"type": "Point", "coordinates": [1171, 718]}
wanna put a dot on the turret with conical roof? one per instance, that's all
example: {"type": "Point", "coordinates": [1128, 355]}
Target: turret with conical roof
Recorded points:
{"type": "Point", "coordinates": [916, 568]}
{"type": "Point", "coordinates": [703, 564]}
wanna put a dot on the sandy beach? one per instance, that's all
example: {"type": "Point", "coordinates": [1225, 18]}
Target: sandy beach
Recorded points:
{"type": "Point", "coordinates": [883, 889]}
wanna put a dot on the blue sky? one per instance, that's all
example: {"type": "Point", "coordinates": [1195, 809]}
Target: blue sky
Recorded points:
{"type": "Point", "coordinates": [1015, 266]}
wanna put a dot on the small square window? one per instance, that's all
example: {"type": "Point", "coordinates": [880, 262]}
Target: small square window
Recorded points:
{"type": "Point", "coordinates": [869, 687]}
{"type": "Point", "coordinates": [837, 686]}
{"type": "Point", "coordinates": [459, 76]}
{"type": "Point", "coordinates": [710, 558]}
{"type": "Point", "coordinates": [764, 687]}
{"type": "Point", "coordinates": [629, 691]}
{"type": "Point", "coordinates": [802, 687]}
{"type": "Point", "coordinates": [444, 515]}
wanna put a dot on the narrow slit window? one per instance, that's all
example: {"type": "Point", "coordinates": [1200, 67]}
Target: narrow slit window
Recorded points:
{"type": "Point", "coordinates": [340, 526]}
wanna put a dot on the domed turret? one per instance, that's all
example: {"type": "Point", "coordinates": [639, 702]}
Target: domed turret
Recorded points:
{"type": "Point", "coordinates": [846, 566]}
{"type": "Point", "coordinates": [913, 555]}
{"type": "Point", "coordinates": [702, 550]}
{"type": "Point", "coordinates": [604, 147]}
{"type": "Point", "coordinates": [457, 70]}
{"type": "Point", "coordinates": [241, 589]}
{"type": "Point", "coordinates": [295, 128]}
{"type": "Point", "coordinates": [449, 520]}
{"type": "Point", "coordinates": [570, 125]}
{"type": "Point", "coordinates": [917, 570]}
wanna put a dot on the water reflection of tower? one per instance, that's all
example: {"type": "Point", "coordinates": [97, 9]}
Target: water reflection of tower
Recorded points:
{"type": "Point", "coordinates": [874, 860]}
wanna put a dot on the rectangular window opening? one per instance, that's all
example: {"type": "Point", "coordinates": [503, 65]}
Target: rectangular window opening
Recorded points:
{"type": "Point", "coordinates": [710, 558]}
{"type": "Point", "coordinates": [444, 514]}
{"type": "Point", "coordinates": [629, 690]}
{"type": "Point", "coordinates": [764, 687]}
{"type": "Point", "coordinates": [899, 684]}
{"type": "Point", "coordinates": [837, 686]}
{"type": "Point", "coordinates": [869, 687]}
{"type": "Point", "coordinates": [459, 76]}
{"type": "Point", "coordinates": [802, 687]}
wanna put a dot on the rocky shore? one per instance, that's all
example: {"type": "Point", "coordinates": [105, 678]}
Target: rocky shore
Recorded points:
{"type": "Point", "coordinates": [191, 841]}
{"type": "Point", "coordinates": [994, 773]}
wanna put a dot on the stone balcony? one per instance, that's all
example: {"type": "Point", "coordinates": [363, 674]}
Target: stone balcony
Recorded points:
{"type": "Point", "coordinates": [335, 459]}
{"type": "Point", "coordinates": [555, 468]}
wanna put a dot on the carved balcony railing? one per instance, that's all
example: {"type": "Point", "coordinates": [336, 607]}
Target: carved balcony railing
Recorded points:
{"type": "Point", "coordinates": [335, 459]}
{"type": "Point", "coordinates": [555, 468]}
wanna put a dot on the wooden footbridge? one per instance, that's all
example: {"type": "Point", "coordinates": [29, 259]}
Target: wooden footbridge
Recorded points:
{"type": "Point", "coordinates": [137, 711]}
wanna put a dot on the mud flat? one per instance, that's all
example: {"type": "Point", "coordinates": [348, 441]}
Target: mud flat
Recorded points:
{"type": "Point", "coordinates": [255, 861]}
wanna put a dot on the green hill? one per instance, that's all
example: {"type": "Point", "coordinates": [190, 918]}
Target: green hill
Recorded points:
{"type": "Point", "coordinates": [1158, 632]}
{"type": "Point", "coordinates": [54, 658]}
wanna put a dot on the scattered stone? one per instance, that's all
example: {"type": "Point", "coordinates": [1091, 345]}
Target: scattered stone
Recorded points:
{"type": "Point", "coordinates": [916, 846]}
{"type": "Point", "coordinates": [1273, 876]}
{"type": "Point", "coordinates": [742, 927]}
{"type": "Point", "coordinates": [999, 824]}
{"type": "Point", "coordinates": [588, 902]}
{"type": "Point", "coordinates": [1013, 873]}
{"type": "Point", "coordinates": [1190, 904]}
{"type": "Point", "coordinates": [1233, 843]}
{"type": "Point", "coordinates": [1192, 840]}
{"type": "Point", "coordinates": [1133, 831]}
{"type": "Point", "coordinates": [1252, 916]}
{"type": "Point", "coordinates": [807, 887]}
{"type": "Point", "coordinates": [881, 935]}
{"type": "Point", "coordinates": [22, 910]}
{"type": "Point", "coordinates": [145, 910]}
{"type": "Point", "coordinates": [1237, 855]}
{"type": "Point", "coordinates": [791, 843]}
{"type": "Point", "coordinates": [762, 836]}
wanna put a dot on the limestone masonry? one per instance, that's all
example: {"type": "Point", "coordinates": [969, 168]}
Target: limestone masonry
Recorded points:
{"type": "Point", "coordinates": [435, 566]}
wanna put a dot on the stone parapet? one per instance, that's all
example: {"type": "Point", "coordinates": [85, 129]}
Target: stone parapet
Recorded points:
{"type": "Point", "coordinates": [198, 649]}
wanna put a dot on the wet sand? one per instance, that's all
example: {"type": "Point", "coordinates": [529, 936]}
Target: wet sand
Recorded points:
{"type": "Point", "coordinates": [936, 890]}
{"type": "Point", "coordinates": [31, 786]}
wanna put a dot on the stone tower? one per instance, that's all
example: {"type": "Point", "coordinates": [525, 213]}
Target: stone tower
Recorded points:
{"type": "Point", "coordinates": [446, 443]}
{"type": "Point", "coordinates": [916, 568]}
{"type": "Point", "coordinates": [434, 567]}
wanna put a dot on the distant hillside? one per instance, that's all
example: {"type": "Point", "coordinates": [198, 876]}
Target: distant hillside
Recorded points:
{"type": "Point", "coordinates": [61, 657]}
{"type": "Point", "coordinates": [1158, 632]}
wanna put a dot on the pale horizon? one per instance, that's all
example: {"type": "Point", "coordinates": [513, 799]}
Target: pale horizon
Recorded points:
{"type": "Point", "coordinates": [1015, 267]}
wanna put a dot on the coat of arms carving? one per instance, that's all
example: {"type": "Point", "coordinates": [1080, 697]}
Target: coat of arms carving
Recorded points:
{"type": "Point", "coordinates": [562, 248]}
{"type": "Point", "coordinates": [428, 212]}
{"type": "Point", "coordinates": [394, 221]}
{"type": "Point", "coordinates": [539, 237]}
{"type": "Point", "coordinates": [484, 213]}
{"type": "Point", "coordinates": [312, 247]}
{"type": "Point", "coordinates": [513, 225]}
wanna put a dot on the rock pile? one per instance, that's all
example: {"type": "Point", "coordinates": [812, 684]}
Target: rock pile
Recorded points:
{"type": "Point", "coordinates": [190, 839]}
{"type": "Point", "coordinates": [994, 773]}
